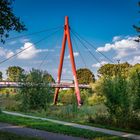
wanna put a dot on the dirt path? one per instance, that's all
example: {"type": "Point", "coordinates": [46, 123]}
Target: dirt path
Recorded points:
{"type": "Point", "coordinates": [106, 131]}
{"type": "Point", "coordinates": [23, 131]}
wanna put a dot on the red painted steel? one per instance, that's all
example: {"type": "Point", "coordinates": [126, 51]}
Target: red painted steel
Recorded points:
{"type": "Point", "coordinates": [68, 38]}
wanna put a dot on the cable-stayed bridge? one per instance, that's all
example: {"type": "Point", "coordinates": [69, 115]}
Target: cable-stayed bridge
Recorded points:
{"type": "Point", "coordinates": [73, 39]}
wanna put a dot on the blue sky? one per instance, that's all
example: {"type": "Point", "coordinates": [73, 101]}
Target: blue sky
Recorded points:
{"type": "Point", "coordinates": [105, 23]}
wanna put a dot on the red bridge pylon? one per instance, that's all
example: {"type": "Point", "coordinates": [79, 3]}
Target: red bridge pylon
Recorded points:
{"type": "Point", "coordinates": [67, 37]}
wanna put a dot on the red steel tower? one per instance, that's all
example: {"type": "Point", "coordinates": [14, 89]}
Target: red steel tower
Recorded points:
{"type": "Point", "coordinates": [67, 37]}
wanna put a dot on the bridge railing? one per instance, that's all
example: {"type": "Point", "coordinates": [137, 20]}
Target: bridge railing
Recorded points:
{"type": "Point", "coordinates": [54, 85]}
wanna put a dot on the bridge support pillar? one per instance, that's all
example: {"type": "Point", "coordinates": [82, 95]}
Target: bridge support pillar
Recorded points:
{"type": "Point", "coordinates": [67, 37]}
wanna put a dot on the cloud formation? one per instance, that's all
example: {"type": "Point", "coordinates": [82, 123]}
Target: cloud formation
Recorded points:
{"type": "Point", "coordinates": [134, 60]}
{"type": "Point", "coordinates": [97, 65]}
{"type": "Point", "coordinates": [76, 54]}
{"type": "Point", "coordinates": [123, 47]}
{"type": "Point", "coordinates": [116, 38]}
{"type": "Point", "coordinates": [5, 52]}
{"type": "Point", "coordinates": [29, 51]}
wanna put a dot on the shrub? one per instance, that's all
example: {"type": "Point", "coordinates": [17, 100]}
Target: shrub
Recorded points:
{"type": "Point", "coordinates": [96, 99]}
{"type": "Point", "coordinates": [67, 97]}
{"type": "Point", "coordinates": [117, 97]}
{"type": "Point", "coordinates": [134, 87]}
{"type": "Point", "coordinates": [35, 92]}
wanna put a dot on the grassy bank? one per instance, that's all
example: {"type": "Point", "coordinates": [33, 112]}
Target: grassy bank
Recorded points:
{"type": "Point", "coordinates": [69, 113]}
{"type": "Point", "coordinates": [80, 116]}
{"type": "Point", "coordinates": [52, 127]}
{"type": "Point", "coordinates": [11, 136]}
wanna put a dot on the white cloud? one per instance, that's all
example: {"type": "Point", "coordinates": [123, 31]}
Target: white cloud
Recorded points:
{"type": "Point", "coordinates": [106, 48]}
{"type": "Point", "coordinates": [116, 38]}
{"type": "Point", "coordinates": [135, 60]}
{"type": "Point", "coordinates": [97, 65]}
{"type": "Point", "coordinates": [24, 40]}
{"type": "Point", "coordinates": [76, 54]}
{"type": "Point", "coordinates": [30, 51]}
{"type": "Point", "coordinates": [9, 54]}
{"type": "Point", "coordinates": [123, 47]}
{"type": "Point", "coordinates": [5, 52]}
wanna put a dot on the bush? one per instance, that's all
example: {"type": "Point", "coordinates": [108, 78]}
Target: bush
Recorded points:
{"type": "Point", "coordinates": [96, 99]}
{"type": "Point", "coordinates": [134, 87]}
{"type": "Point", "coordinates": [97, 96]}
{"type": "Point", "coordinates": [67, 97]}
{"type": "Point", "coordinates": [36, 92]}
{"type": "Point", "coordinates": [85, 94]}
{"type": "Point", "coordinates": [118, 100]}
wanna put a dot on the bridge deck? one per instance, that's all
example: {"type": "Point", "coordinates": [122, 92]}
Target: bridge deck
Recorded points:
{"type": "Point", "coordinates": [54, 85]}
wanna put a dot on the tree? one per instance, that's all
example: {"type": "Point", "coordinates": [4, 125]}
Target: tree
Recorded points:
{"type": "Point", "coordinates": [14, 73]}
{"type": "Point", "coordinates": [118, 100]}
{"type": "Point", "coordinates": [8, 20]}
{"type": "Point", "coordinates": [36, 93]}
{"type": "Point", "coordinates": [134, 86]}
{"type": "Point", "coordinates": [0, 76]}
{"type": "Point", "coordinates": [137, 28]}
{"type": "Point", "coordinates": [114, 69]}
{"type": "Point", "coordinates": [48, 77]}
{"type": "Point", "coordinates": [85, 76]}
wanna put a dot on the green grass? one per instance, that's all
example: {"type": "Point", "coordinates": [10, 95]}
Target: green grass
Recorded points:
{"type": "Point", "coordinates": [67, 113]}
{"type": "Point", "coordinates": [81, 117]}
{"type": "Point", "coordinates": [57, 128]}
{"type": "Point", "coordinates": [11, 136]}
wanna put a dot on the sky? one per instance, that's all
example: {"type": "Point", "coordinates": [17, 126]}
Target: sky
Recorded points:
{"type": "Point", "coordinates": [107, 24]}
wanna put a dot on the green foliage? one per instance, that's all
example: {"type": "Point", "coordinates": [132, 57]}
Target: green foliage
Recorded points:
{"type": "Point", "coordinates": [85, 94]}
{"type": "Point", "coordinates": [85, 76]}
{"type": "Point", "coordinates": [119, 103]}
{"type": "Point", "coordinates": [134, 87]}
{"type": "Point", "coordinates": [48, 77]}
{"type": "Point", "coordinates": [67, 97]}
{"type": "Point", "coordinates": [117, 97]}
{"type": "Point", "coordinates": [121, 97]}
{"type": "Point", "coordinates": [15, 73]}
{"type": "Point", "coordinates": [97, 95]}
{"type": "Point", "coordinates": [8, 21]}
{"type": "Point", "coordinates": [96, 99]}
{"type": "Point", "coordinates": [37, 95]}
{"type": "Point", "coordinates": [114, 69]}
{"type": "Point", "coordinates": [118, 92]}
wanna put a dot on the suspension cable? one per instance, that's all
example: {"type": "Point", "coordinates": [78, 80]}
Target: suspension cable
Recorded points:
{"type": "Point", "coordinates": [42, 62]}
{"type": "Point", "coordinates": [77, 48]}
{"type": "Point", "coordinates": [95, 58]}
{"type": "Point", "coordinates": [92, 46]}
{"type": "Point", "coordinates": [28, 47]}
{"type": "Point", "coordinates": [30, 34]}
{"type": "Point", "coordinates": [46, 55]}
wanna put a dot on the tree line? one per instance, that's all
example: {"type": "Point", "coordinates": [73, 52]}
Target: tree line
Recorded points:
{"type": "Point", "coordinates": [118, 87]}
{"type": "Point", "coordinates": [18, 74]}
